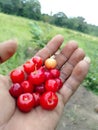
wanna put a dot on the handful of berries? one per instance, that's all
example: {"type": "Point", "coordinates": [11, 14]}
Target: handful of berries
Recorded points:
{"type": "Point", "coordinates": [36, 84]}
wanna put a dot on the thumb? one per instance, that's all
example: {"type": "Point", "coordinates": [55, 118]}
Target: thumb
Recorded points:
{"type": "Point", "coordinates": [7, 49]}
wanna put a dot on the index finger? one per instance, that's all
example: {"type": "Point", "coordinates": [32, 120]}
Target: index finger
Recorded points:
{"type": "Point", "coordinates": [52, 46]}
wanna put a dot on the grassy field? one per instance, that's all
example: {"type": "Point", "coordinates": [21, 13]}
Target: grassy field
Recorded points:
{"type": "Point", "coordinates": [13, 27]}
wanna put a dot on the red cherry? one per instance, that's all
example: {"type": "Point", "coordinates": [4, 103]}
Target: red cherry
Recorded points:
{"type": "Point", "coordinates": [37, 77]}
{"type": "Point", "coordinates": [16, 90]}
{"type": "Point", "coordinates": [55, 73]}
{"type": "Point", "coordinates": [38, 61]}
{"type": "Point", "coordinates": [59, 82]}
{"type": "Point", "coordinates": [17, 76]}
{"type": "Point", "coordinates": [48, 75]}
{"type": "Point", "coordinates": [25, 102]}
{"type": "Point", "coordinates": [40, 88]}
{"type": "Point", "coordinates": [48, 100]}
{"type": "Point", "coordinates": [51, 85]}
{"type": "Point", "coordinates": [36, 96]}
{"type": "Point", "coordinates": [29, 66]}
{"type": "Point", "coordinates": [27, 87]}
{"type": "Point", "coordinates": [42, 68]}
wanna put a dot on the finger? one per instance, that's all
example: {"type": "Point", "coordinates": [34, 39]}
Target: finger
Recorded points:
{"type": "Point", "coordinates": [77, 76]}
{"type": "Point", "coordinates": [66, 52]}
{"type": "Point", "coordinates": [7, 49]}
{"type": "Point", "coordinates": [68, 67]}
{"type": "Point", "coordinates": [51, 47]}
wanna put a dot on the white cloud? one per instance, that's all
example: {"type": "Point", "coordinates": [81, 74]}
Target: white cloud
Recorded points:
{"type": "Point", "coordinates": [73, 8]}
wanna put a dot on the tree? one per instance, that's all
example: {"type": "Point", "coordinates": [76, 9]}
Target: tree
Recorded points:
{"type": "Point", "coordinates": [81, 24]}
{"type": "Point", "coordinates": [27, 8]}
{"type": "Point", "coordinates": [60, 19]}
{"type": "Point", "coordinates": [6, 6]}
{"type": "Point", "coordinates": [77, 23]}
{"type": "Point", "coordinates": [46, 18]}
{"type": "Point", "coordinates": [32, 9]}
{"type": "Point", "coordinates": [17, 7]}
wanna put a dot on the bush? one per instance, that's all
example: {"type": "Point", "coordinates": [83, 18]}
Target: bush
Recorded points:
{"type": "Point", "coordinates": [90, 82]}
{"type": "Point", "coordinates": [40, 36]}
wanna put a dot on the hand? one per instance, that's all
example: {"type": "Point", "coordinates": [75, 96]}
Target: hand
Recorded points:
{"type": "Point", "coordinates": [73, 67]}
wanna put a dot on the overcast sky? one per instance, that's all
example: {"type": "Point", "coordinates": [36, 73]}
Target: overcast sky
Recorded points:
{"type": "Point", "coordinates": [73, 8]}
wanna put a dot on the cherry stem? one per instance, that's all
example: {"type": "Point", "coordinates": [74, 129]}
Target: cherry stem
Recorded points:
{"type": "Point", "coordinates": [35, 70]}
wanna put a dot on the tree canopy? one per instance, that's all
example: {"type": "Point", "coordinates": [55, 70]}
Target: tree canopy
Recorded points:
{"type": "Point", "coordinates": [32, 9]}
{"type": "Point", "coordinates": [26, 8]}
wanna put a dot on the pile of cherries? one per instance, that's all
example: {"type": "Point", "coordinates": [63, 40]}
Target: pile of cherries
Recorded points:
{"type": "Point", "coordinates": [36, 84]}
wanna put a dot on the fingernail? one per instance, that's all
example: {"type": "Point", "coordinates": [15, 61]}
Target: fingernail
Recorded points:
{"type": "Point", "coordinates": [87, 59]}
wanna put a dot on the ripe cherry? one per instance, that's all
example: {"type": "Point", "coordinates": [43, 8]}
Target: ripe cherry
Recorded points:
{"type": "Point", "coordinates": [48, 75]}
{"type": "Point", "coordinates": [50, 63]}
{"type": "Point", "coordinates": [17, 76]}
{"type": "Point", "coordinates": [40, 88]}
{"type": "Point", "coordinates": [25, 102]}
{"type": "Point", "coordinates": [37, 77]}
{"type": "Point", "coordinates": [48, 100]}
{"type": "Point", "coordinates": [27, 86]}
{"type": "Point", "coordinates": [36, 96]}
{"type": "Point", "coordinates": [55, 73]}
{"type": "Point", "coordinates": [51, 85]}
{"type": "Point", "coordinates": [16, 90]}
{"type": "Point", "coordinates": [29, 66]}
{"type": "Point", "coordinates": [38, 61]}
{"type": "Point", "coordinates": [59, 82]}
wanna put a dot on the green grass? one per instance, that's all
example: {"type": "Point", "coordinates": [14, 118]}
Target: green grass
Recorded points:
{"type": "Point", "coordinates": [13, 27]}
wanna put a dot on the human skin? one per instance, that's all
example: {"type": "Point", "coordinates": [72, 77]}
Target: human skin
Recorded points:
{"type": "Point", "coordinates": [73, 66]}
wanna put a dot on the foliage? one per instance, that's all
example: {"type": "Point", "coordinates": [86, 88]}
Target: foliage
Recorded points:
{"type": "Point", "coordinates": [91, 81]}
{"type": "Point", "coordinates": [77, 23]}
{"type": "Point", "coordinates": [40, 37]}
{"type": "Point", "coordinates": [32, 9]}
{"type": "Point", "coordinates": [46, 18]}
{"type": "Point", "coordinates": [60, 19]}
{"type": "Point", "coordinates": [26, 8]}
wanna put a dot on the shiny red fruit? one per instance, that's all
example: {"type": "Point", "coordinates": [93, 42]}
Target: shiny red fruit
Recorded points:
{"type": "Point", "coordinates": [40, 88]}
{"type": "Point", "coordinates": [37, 77]}
{"type": "Point", "coordinates": [36, 96]}
{"type": "Point", "coordinates": [27, 87]}
{"type": "Point", "coordinates": [16, 90]}
{"type": "Point", "coordinates": [38, 61]}
{"type": "Point", "coordinates": [29, 66]}
{"type": "Point", "coordinates": [49, 100]}
{"type": "Point", "coordinates": [17, 76]}
{"type": "Point", "coordinates": [55, 73]}
{"type": "Point", "coordinates": [25, 102]}
{"type": "Point", "coordinates": [51, 85]}
{"type": "Point", "coordinates": [48, 75]}
{"type": "Point", "coordinates": [59, 82]}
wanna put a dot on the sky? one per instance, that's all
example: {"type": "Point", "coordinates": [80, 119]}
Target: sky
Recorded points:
{"type": "Point", "coordinates": [88, 9]}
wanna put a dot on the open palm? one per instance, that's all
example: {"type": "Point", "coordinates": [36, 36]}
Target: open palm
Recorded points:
{"type": "Point", "coordinates": [73, 67]}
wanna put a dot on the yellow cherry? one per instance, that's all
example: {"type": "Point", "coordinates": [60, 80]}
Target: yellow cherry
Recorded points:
{"type": "Point", "coordinates": [50, 63]}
